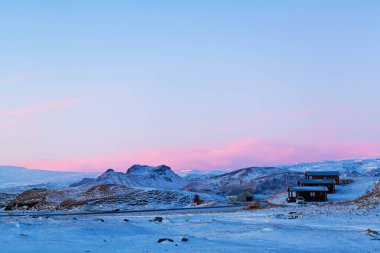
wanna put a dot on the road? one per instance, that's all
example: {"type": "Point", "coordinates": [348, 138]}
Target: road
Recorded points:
{"type": "Point", "coordinates": [117, 212]}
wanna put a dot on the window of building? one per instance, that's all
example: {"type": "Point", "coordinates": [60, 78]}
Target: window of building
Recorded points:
{"type": "Point", "coordinates": [312, 194]}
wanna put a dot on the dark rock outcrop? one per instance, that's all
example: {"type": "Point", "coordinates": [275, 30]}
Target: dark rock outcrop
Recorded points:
{"type": "Point", "coordinates": [29, 199]}
{"type": "Point", "coordinates": [164, 240]}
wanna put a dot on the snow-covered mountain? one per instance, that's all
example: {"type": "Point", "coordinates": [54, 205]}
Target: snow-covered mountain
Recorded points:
{"type": "Point", "coordinates": [358, 167]}
{"type": "Point", "coordinates": [272, 180]}
{"type": "Point", "coordinates": [194, 175]}
{"type": "Point", "coordinates": [12, 176]}
{"type": "Point", "coordinates": [134, 188]}
{"type": "Point", "coordinates": [264, 180]}
{"type": "Point", "coordinates": [139, 176]}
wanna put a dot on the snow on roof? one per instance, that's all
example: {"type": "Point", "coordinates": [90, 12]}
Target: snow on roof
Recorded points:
{"type": "Point", "coordinates": [322, 173]}
{"type": "Point", "coordinates": [317, 181]}
{"type": "Point", "coordinates": [309, 188]}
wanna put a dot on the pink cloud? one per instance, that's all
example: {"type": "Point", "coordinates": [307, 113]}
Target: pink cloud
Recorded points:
{"type": "Point", "coordinates": [20, 123]}
{"type": "Point", "coordinates": [39, 108]}
{"type": "Point", "coordinates": [235, 154]}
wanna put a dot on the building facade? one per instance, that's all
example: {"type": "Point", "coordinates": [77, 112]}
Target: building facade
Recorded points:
{"type": "Point", "coordinates": [310, 193]}
{"type": "Point", "coordinates": [334, 175]}
{"type": "Point", "coordinates": [329, 183]}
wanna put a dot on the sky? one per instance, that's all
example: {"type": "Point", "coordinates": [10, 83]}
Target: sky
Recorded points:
{"type": "Point", "coordinates": [89, 85]}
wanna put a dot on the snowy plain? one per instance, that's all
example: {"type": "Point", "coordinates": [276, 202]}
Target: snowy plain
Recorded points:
{"type": "Point", "coordinates": [312, 229]}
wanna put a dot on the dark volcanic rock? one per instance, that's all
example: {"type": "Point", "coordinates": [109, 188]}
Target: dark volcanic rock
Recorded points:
{"type": "Point", "coordinates": [164, 239]}
{"type": "Point", "coordinates": [158, 219]}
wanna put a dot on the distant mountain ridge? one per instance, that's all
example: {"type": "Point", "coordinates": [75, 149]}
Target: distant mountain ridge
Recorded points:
{"type": "Point", "coordinates": [257, 179]}
{"type": "Point", "coordinates": [194, 175]}
{"type": "Point", "coordinates": [13, 176]}
{"type": "Point", "coordinates": [272, 180]}
{"type": "Point", "coordinates": [354, 167]}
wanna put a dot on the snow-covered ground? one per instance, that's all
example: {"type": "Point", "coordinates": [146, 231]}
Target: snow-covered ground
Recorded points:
{"type": "Point", "coordinates": [309, 229]}
{"type": "Point", "coordinates": [353, 190]}
{"type": "Point", "coordinates": [338, 227]}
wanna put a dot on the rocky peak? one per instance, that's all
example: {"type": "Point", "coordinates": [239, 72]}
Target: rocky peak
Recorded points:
{"type": "Point", "coordinates": [145, 169]}
{"type": "Point", "coordinates": [140, 176]}
{"type": "Point", "coordinates": [109, 174]}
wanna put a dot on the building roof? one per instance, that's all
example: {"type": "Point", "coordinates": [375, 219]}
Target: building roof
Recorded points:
{"type": "Point", "coordinates": [309, 189]}
{"type": "Point", "coordinates": [317, 181]}
{"type": "Point", "coordinates": [322, 173]}
{"type": "Point", "coordinates": [238, 192]}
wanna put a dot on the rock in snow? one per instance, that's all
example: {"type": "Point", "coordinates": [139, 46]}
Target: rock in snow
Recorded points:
{"type": "Point", "coordinates": [164, 240]}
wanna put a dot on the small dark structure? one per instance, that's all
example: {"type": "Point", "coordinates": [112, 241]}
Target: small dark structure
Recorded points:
{"type": "Point", "coordinates": [323, 175]}
{"type": "Point", "coordinates": [346, 181]}
{"type": "Point", "coordinates": [241, 196]}
{"type": "Point", "coordinates": [329, 183]}
{"type": "Point", "coordinates": [310, 193]}
{"type": "Point", "coordinates": [197, 200]}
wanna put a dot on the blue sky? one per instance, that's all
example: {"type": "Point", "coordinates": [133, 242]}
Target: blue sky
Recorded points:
{"type": "Point", "coordinates": [86, 85]}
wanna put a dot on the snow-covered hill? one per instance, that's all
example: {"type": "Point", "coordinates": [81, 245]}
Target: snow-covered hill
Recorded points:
{"type": "Point", "coordinates": [359, 167]}
{"type": "Point", "coordinates": [194, 175]}
{"type": "Point", "coordinates": [272, 180]}
{"type": "Point", "coordinates": [12, 176]}
{"type": "Point", "coordinates": [139, 176]}
{"type": "Point", "coordinates": [263, 180]}
{"type": "Point", "coordinates": [103, 197]}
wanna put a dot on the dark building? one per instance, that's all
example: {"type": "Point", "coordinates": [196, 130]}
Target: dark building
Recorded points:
{"type": "Point", "coordinates": [241, 196]}
{"type": "Point", "coordinates": [323, 175]}
{"type": "Point", "coordinates": [329, 183]}
{"type": "Point", "coordinates": [310, 193]}
{"type": "Point", "coordinates": [345, 180]}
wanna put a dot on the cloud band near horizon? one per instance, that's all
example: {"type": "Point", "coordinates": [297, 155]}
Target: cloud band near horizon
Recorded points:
{"type": "Point", "coordinates": [232, 155]}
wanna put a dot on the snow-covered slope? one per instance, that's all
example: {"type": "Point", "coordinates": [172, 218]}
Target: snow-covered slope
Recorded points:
{"type": "Point", "coordinates": [272, 180]}
{"type": "Point", "coordinates": [264, 180]}
{"type": "Point", "coordinates": [11, 176]}
{"type": "Point", "coordinates": [102, 197]}
{"type": "Point", "coordinates": [139, 176]}
{"type": "Point", "coordinates": [365, 167]}
{"type": "Point", "coordinates": [194, 175]}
